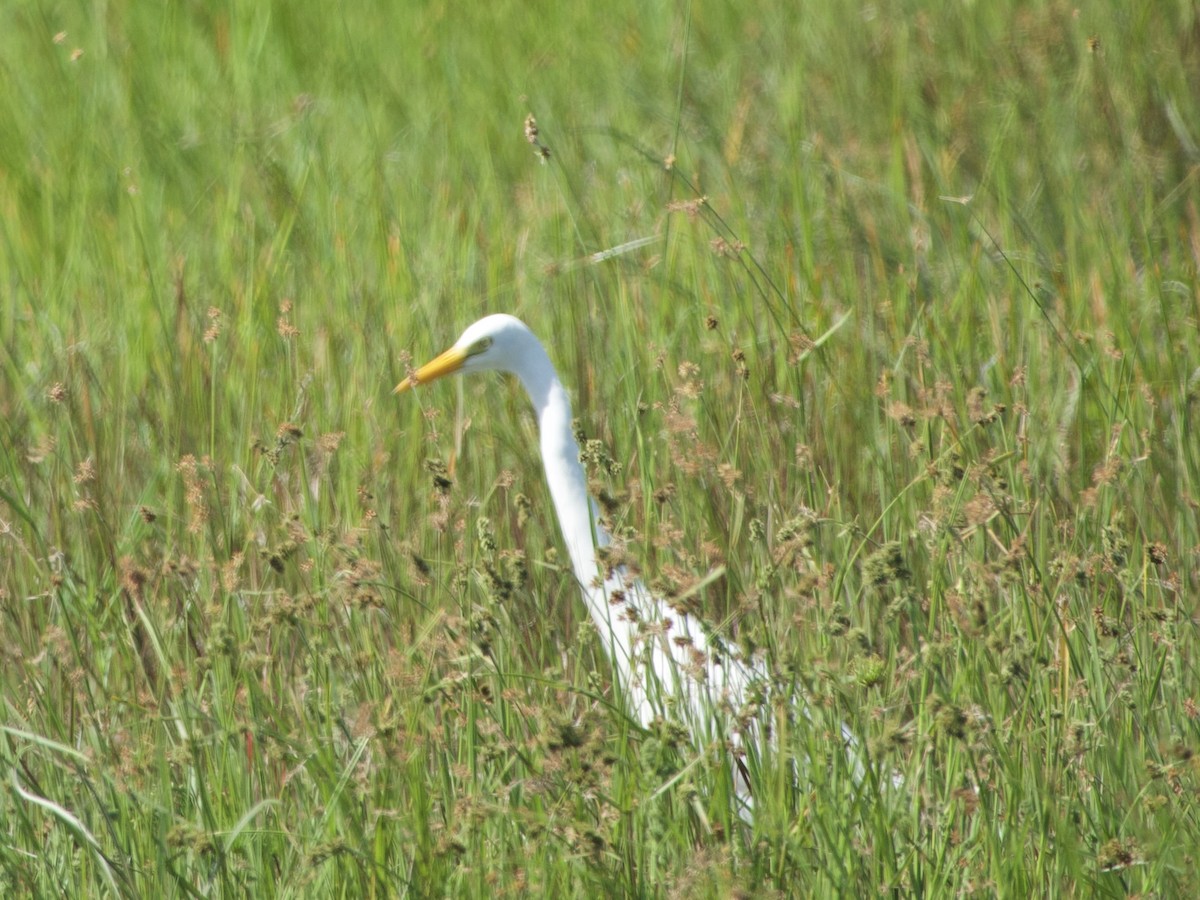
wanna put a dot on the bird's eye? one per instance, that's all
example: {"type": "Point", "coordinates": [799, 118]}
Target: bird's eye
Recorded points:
{"type": "Point", "coordinates": [480, 346]}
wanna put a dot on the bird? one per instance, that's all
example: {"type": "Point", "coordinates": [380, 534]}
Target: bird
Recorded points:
{"type": "Point", "coordinates": [666, 662]}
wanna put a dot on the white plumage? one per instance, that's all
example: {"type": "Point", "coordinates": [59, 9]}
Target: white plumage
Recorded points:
{"type": "Point", "coordinates": [665, 662]}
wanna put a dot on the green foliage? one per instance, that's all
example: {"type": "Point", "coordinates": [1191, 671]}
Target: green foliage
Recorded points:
{"type": "Point", "coordinates": [881, 325]}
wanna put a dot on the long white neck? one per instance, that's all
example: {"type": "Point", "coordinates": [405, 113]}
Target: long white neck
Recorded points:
{"type": "Point", "coordinates": [671, 661]}
{"type": "Point", "coordinates": [577, 515]}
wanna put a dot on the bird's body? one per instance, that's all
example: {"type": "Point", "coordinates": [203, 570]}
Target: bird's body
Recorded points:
{"type": "Point", "coordinates": [665, 661]}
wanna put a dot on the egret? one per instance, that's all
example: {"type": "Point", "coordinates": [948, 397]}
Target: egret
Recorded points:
{"type": "Point", "coordinates": [666, 662]}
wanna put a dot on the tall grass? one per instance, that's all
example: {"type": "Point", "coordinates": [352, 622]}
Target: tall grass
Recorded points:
{"type": "Point", "coordinates": [898, 337]}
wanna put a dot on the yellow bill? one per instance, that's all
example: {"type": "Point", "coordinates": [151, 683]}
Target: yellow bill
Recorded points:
{"type": "Point", "coordinates": [446, 364]}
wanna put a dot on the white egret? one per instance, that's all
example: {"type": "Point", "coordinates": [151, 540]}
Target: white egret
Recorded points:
{"type": "Point", "coordinates": [665, 661]}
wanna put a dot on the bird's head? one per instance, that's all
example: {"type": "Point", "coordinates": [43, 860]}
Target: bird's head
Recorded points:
{"type": "Point", "coordinates": [495, 343]}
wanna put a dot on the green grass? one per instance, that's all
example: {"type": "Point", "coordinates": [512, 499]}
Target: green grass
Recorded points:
{"type": "Point", "coordinates": [919, 377]}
